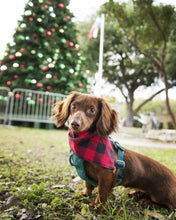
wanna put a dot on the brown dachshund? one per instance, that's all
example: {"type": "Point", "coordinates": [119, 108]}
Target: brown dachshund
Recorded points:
{"type": "Point", "coordinates": [89, 113]}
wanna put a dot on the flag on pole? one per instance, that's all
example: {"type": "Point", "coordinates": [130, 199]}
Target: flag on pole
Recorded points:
{"type": "Point", "coordinates": [94, 29]}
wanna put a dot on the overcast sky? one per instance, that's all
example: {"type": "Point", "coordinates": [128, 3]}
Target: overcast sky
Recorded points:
{"type": "Point", "coordinates": [11, 11]}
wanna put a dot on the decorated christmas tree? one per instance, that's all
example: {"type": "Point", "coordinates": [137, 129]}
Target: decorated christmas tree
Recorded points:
{"type": "Point", "coordinates": [45, 53]}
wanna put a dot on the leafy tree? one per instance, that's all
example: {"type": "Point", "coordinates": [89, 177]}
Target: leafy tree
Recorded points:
{"type": "Point", "coordinates": [90, 48]}
{"type": "Point", "coordinates": [45, 53]}
{"type": "Point", "coordinates": [148, 29]}
{"type": "Point", "coordinates": [124, 67]}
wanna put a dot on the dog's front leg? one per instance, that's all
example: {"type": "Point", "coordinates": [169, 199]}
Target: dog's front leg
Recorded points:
{"type": "Point", "coordinates": [88, 189]}
{"type": "Point", "coordinates": [105, 184]}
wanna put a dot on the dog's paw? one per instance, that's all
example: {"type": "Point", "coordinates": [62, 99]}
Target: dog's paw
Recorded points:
{"type": "Point", "coordinates": [93, 204]}
{"type": "Point", "coordinates": [86, 193]}
{"type": "Point", "coordinates": [98, 208]}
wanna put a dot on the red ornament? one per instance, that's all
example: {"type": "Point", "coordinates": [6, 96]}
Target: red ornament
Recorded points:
{"type": "Point", "coordinates": [80, 85]}
{"type": "Point", "coordinates": [61, 5]}
{"type": "Point", "coordinates": [50, 101]}
{"type": "Point", "coordinates": [21, 66]}
{"type": "Point", "coordinates": [76, 38]}
{"type": "Point", "coordinates": [48, 87]}
{"type": "Point", "coordinates": [36, 37]}
{"type": "Point", "coordinates": [11, 57]}
{"type": "Point", "coordinates": [40, 100]}
{"type": "Point", "coordinates": [45, 6]}
{"type": "Point", "coordinates": [39, 85]}
{"type": "Point", "coordinates": [9, 83]}
{"type": "Point", "coordinates": [44, 68]}
{"type": "Point", "coordinates": [67, 17]}
{"type": "Point", "coordinates": [17, 96]}
{"type": "Point", "coordinates": [1, 63]}
{"type": "Point", "coordinates": [53, 29]}
{"type": "Point", "coordinates": [48, 33]}
{"type": "Point", "coordinates": [22, 49]}
{"type": "Point", "coordinates": [15, 76]}
{"type": "Point", "coordinates": [77, 48]}
{"type": "Point", "coordinates": [49, 3]}
{"type": "Point", "coordinates": [54, 77]}
{"type": "Point", "coordinates": [70, 44]}
{"type": "Point", "coordinates": [30, 18]}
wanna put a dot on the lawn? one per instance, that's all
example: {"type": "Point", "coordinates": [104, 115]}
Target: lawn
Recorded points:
{"type": "Point", "coordinates": [37, 182]}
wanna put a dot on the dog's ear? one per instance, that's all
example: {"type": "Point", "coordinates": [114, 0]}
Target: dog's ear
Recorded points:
{"type": "Point", "coordinates": [61, 109]}
{"type": "Point", "coordinates": [107, 121]}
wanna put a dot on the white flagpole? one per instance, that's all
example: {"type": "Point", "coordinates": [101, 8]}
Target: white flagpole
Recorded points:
{"type": "Point", "coordinates": [100, 69]}
{"type": "Point", "coordinates": [100, 66]}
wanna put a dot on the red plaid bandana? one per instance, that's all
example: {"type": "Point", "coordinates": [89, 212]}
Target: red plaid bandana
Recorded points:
{"type": "Point", "coordinates": [92, 148]}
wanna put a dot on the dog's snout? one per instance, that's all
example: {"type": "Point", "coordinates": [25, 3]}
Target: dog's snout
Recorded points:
{"type": "Point", "coordinates": [75, 124]}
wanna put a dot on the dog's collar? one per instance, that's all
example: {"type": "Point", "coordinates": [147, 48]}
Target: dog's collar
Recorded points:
{"type": "Point", "coordinates": [120, 163]}
{"type": "Point", "coordinates": [92, 148]}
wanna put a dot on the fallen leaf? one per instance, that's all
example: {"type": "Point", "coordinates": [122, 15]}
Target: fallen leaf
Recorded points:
{"type": "Point", "coordinates": [76, 179]}
{"type": "Point", "coordinates": [153, 214]}
{"type": "Point", "coordinates": [80, 216]}
{"type": "Point", "coordinates": [57, 186]}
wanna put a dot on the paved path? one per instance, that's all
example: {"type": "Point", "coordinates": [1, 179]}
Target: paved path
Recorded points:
{"type": "Point", "coordinates": [134, 140]}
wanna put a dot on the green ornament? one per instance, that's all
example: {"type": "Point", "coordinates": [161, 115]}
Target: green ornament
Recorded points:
{"type": "Point", "coordinates": [79, 61]}
{"type": "Point", "coordinates": [31, 102]}
{"type": "Point", "coordinates": [27, 80]}
{"type": "Point", "coordinates": [77, 68]}
{"type": "Point", "coordinates": [55, 58]}
{"type": "Point", "coordinates": [57, 51]}
{"type": "Point", "coordinates": [71, 85]}
{"type": "Point", "coordinates": [41, 30]}
{"type": "Point", "coordinates": [63, 40]}
{"type": "Point", "coordinates": [39, 55]}
{"type": "Point", "coordinates": [46, 44]}
{"type": "Point", "coordinates": [83, 58]}
{"type": "Point", "coordinates": [63, 79]}
{"type": "Point", "coordinates": [1, 98]}
{"type": "Point", "coordinates": [66, 92]}
{"type": "Point", "coordinates": [31, 68]}
{"type": "Point", "coordinates": [68, 55]}
{"type": "Point", "coordinates": [21, 37]}
{"type": "Point", "coordinates": [61, 66]}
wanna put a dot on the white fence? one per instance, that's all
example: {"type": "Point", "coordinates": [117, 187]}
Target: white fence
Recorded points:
{"type": "Point", "coordinates": [4, 103]}
{"type": "Point", "coordinates": [27, 105]}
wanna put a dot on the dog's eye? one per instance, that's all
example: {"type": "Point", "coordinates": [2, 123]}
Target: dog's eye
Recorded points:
{"type": "Point", "coordinates": [73, 106]}
{"type": "Point", "coordinates": [92, 110]}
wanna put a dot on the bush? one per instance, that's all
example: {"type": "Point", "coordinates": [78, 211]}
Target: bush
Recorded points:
{"type": "Point", "coordinates": [170, 125]}
{"type": "Point", "coordinates": [161, 125]}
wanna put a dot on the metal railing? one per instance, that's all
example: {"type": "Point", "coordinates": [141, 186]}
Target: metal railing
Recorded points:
{"type": "Point", "coordinates": [27, 105]}
{"type": "Point", "coordinates": [4, 103]}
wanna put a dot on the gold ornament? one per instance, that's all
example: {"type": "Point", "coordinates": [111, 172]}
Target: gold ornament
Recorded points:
{"type": "Point", "coordinates": [18, 54]}
{"type": "Point", "coordinates": [61, 31]}
{"type": "Point", "coordinates": [51, 65]}
{"type": "Point", "coordinates": [39, 20]}
{"type": "Point", "coordinates": [33, 51]}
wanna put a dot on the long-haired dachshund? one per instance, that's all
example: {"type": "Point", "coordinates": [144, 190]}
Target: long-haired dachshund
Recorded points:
{"type": "Point", "coordinates": [91, 121]}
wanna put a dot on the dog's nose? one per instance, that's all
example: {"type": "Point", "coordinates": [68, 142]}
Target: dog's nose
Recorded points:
{"type": "Point", "coordinates": [75, 124]}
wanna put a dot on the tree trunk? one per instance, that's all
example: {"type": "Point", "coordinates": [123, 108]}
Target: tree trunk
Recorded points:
{"type": "Point", "coordinates": [130, 113]}
{"type": "Point", "coordinates": [167, 100]}
{"type": "Point", "coordinates": [129, 118]}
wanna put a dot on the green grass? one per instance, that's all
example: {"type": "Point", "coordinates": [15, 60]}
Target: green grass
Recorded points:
{"type": "Point", "coordinates": [35, 172]}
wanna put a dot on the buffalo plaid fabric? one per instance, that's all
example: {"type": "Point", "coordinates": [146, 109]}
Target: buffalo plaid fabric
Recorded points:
{"type": "Point", "coordinates": [92, 148]}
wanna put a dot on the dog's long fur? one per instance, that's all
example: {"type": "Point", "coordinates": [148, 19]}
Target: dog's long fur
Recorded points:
{"type": "Point", "coordinates": [92, 113]}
